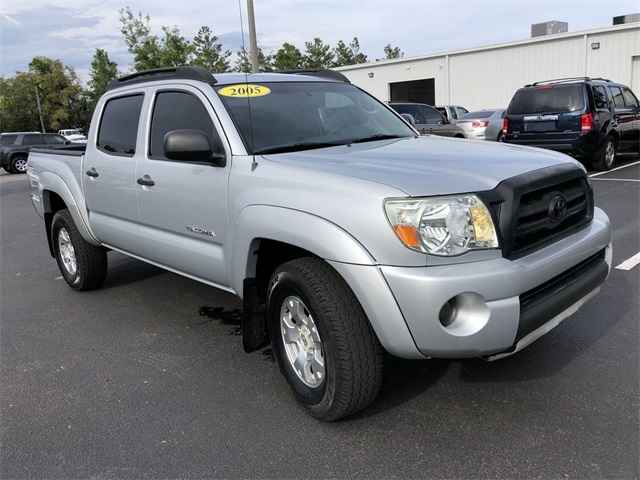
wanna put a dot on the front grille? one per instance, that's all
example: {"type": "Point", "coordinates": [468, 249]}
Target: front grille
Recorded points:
{"type": "Point", "coordinates": [540, 207]}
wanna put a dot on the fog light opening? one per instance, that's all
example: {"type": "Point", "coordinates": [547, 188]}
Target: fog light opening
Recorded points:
{"type": "Point", "coordinates": [449, 312]}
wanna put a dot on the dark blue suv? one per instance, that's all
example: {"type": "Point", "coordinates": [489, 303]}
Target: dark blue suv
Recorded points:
{"type": "Point", "coordinates": [591, 119]}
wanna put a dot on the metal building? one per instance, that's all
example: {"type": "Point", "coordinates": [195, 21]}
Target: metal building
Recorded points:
{"type": "Point", "coordinates": [487, 77]}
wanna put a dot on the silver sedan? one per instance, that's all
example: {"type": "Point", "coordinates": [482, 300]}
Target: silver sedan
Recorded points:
{"type": "Point", "coordinates": [483, 124]}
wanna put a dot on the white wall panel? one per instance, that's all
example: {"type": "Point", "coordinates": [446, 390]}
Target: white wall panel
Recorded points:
{"type": "Point", "coordinates": [488, 76]}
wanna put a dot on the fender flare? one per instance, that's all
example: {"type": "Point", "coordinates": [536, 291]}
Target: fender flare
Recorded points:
{"type": "Point", "coordinates": [53, 183]}
{"type": "Point", "coordinates": [300, 229]}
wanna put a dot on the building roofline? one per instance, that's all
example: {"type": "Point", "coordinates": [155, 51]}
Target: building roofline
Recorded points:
{"type": "Point", "coordinates": [534, 40]}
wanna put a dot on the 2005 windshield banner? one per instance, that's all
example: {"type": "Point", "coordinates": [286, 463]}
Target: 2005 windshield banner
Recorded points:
{"type": "Point", "coordinates": [244, 91]}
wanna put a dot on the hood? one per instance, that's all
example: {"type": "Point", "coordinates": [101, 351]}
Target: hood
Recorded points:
{"type": "Point", "coordinates": [427, 165]}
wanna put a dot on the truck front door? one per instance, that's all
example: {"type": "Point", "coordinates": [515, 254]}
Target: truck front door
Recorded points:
{"type": "Point", "coordinates": [183, 205]}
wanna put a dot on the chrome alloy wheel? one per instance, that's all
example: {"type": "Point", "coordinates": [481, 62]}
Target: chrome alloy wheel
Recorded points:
{"type": "Point", "coordinates": [67, 252]}
{"type": "Point", "coordinates": [609, 154]}
{"type": "Point", "coordinates": [302, 342]}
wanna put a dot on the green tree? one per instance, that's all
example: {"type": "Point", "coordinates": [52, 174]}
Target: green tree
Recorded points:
{"type": "Point", "coordinates": [348, 54]}
{"type": "Point", "coordinates": [392, 53]}
{"type": "Point", "coordinates": [243, 62]}
{"type": "Point", "coordinates": [62, 103]}
{"type": "Point", "coordinates": [288, 57]}
{"type": "Point", "coordinates": [147, 49]}
{"type": "Point", "coordinates": [317, 54]}
{"type": "Point", "coordinates": [102, 71]}
{"type": "Point", "coordinates": [208, 52]}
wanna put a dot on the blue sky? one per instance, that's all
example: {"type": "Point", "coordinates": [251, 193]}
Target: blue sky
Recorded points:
{"type": "Point", "coordinates": [71, 30]}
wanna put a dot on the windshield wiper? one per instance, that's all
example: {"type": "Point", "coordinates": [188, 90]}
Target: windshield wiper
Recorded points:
{"type": "Point", "coordinates": [378, 136]}
{"type": "Point", "coordinates": [295, 147]}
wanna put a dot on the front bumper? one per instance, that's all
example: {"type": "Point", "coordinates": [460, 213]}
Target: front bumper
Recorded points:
{"type": "Point", "coordinates": [501, 305]}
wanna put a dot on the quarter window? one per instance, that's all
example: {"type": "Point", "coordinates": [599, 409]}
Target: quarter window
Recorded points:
{"type": "Point", "coordinates": [119, 125]}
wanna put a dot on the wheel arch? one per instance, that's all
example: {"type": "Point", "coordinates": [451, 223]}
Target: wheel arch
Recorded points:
{"type": "Point", "coordinates": [266, 237]}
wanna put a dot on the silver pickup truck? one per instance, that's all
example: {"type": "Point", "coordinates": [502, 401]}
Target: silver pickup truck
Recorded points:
{"type": "Point", "coordinates": [344, 232]}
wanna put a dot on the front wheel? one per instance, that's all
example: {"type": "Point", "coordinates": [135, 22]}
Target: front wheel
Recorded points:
{"type": "Point", "coordinates": [322, 339]}
{"type": "Point", "coordinates": [83, 266]}
{"type": "Point", "coordinates": [605, 159]}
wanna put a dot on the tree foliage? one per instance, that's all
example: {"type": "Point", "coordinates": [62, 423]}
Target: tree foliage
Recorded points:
{"type": "Point", "coordinates": [62, 102]}
{"type": "Point", "coordinates": [102, 71]}
{"type": "Point", "coordinates": [348, 54]}
{"type": "Point", "coordinates": [317, 54]}
{"type": "Point", "coordinates": [392, 53]}
{"type": "Point", "coordinates": [208, 52]}
{"type": "Point", "coordinates": [243, 61]}
{"type": "Point", "coordinates": [288, 57]}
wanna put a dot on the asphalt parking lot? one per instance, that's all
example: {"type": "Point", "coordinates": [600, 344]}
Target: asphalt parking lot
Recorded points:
{"type": "Point", "coordinates": [146, 378]}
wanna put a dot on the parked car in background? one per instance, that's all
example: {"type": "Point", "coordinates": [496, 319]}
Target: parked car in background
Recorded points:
{"type": "Point", "coordinates": [427, 120]}
{"type": "Point", "coordinates": [73, 135]}
{"type": "Point", "coordinates": [589, 118]}
{"type": "Point", "coordinates": [15, 146]}
{"type": "Point", "coordinates": [451, 112]}
{"type": "Point", "coordinates": [483, 124]}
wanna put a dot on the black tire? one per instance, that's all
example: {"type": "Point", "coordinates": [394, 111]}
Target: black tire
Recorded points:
{"type": "Point", "coordinates": [499, 138]}
{"type": "Point", "coordinates": [605, 159]}
{"type": "Point", "coordinates": [83, 266]}
{"type": "Point", "coordinates": [18, 164]}
{"type": "Point", "coordinates": [330, 333]}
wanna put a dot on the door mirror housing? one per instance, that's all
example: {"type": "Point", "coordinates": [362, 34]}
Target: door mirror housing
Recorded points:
{"type": "Point", "coordinates": [192, 146]}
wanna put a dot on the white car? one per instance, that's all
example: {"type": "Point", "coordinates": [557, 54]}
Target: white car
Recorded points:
{"type": "Point", "coordinates": [73, 135]}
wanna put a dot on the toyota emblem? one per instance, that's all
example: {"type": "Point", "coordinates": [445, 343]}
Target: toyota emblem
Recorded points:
{"type": "Point", "coordinates": [557, 208]}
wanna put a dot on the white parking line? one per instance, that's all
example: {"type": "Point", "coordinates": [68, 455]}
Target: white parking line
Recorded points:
{"type": "Point", "coordinates": [613, 170]}
{"type": "Point", "coordinates": [616, 180]}
{"type": "Point", "coordinates": [629, 263]}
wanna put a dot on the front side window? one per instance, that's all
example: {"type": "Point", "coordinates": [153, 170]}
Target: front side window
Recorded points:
{"type": "Point", "coordinates": [118, 129]}
{"type": "Point", "coordinates": [629, 98]}
{"type": "Point", "coordinates": [54, 139]}
{"type": "Point", "coordinates": [178, 111]}
{"type": "Point", "coordinates": [432, 116]}
{"type": "Point", "coordinates": [278, 117]}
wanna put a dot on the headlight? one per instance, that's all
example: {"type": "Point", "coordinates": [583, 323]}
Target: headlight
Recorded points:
{"type": "Point", "coordinates": [445, 226]}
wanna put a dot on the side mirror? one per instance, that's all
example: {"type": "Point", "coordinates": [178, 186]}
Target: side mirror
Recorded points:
{"type": "Point", "coordinates": [192, 146]}
{"type": "Point", "coordinates": [409, 119]}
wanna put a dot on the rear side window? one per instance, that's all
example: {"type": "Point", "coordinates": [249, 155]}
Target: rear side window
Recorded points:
{"type": "Point", "coordinates": [616, 94]}
{"type": "Point", "coordinates": [119, 125]}
{"type": "Point", "coordinates": [178, 111]}
{"type": "Point", "coordinates": [600, 97]}
{"type": "Point", "coordinates": [8, 139]}
{"type": "Point", "coordinates": [547, 99]}
{"type": "Point", "coordinates": [32, 140]}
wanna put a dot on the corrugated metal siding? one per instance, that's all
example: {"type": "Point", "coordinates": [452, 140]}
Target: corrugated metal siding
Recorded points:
{"type": "Point", "coordinates": [488, 76]}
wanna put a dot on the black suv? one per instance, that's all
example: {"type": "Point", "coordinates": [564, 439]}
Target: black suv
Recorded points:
{"type": "Point", "coordinates": [589, 118]}
{"type": "Point", "coordinates": [14, 148]}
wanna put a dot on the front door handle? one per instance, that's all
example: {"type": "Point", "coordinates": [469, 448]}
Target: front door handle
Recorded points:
{"type": "Point", "coordinates": [146, 181]}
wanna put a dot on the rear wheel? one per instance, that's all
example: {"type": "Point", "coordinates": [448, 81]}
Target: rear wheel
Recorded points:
{"type": "Point", "coordinates": [83, 266]}
{"type": "Point", "coordinates": [18, 165]}
{"type": "Point", "coordinates": [322, 340]}
{"type": "Point", "coordinates": [605, 159]}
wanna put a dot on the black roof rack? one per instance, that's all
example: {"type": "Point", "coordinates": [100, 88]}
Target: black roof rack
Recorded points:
{"type": "Point", "coordinates": [567, 80]}
{"type": "Point", "coordinates": [186, 72]}
{"type": "Point", "coordinates": [317, 72]}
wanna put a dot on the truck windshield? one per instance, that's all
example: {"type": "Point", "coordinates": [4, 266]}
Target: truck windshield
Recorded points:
{"type": "Point", "coordinates": [290, 116]}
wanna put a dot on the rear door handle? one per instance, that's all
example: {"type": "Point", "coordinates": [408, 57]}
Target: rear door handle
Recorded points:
{"type": "Point", "coordinates": [92, 173]}
{"type": "Point", "coordinates": [146, 181]}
